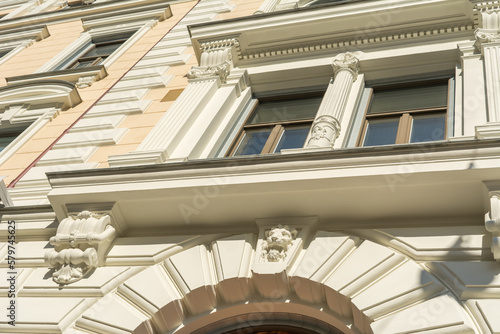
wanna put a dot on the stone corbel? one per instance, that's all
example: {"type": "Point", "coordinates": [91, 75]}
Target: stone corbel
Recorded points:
{"type": "Point", "coordinates": [492, 223]}
{"type": "Point", "coordinates": [80, 245]}
{"type": "Point", "coordinates": [217, 59]}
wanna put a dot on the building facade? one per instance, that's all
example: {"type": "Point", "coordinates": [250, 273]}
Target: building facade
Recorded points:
{"type": "Point", "coordinates": [230, 166]}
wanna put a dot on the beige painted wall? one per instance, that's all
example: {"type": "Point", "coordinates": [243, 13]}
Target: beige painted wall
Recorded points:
{"type": "Point", "coordinates": [32, 58]}
{"type": "Point", "coordinates": [140, 125]}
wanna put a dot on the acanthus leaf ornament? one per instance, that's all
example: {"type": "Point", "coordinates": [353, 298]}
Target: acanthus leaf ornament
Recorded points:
{"type": "Point", "coordinates": [79, 246]}
{"type": "Point", "coordinates": [346, 61]}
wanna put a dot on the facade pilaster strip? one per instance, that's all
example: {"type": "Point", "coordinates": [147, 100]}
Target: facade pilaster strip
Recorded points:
{"type": "Point", "coordinates": [491, 63]}
{"type": "Point", "coordinates": [191, 100]}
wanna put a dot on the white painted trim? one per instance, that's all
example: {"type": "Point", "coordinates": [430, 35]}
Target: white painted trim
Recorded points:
{"type": "Point", "coordinates": [16, 144]}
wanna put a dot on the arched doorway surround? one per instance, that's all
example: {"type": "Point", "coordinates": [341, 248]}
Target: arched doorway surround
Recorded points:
{"type": "Point", "coordinates": [348, 283]}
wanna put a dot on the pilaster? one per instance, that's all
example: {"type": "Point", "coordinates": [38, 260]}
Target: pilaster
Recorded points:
{"type": "Point", "coordinates": [326, 126]}
{"type": "Point", "coordinates": [488, 45]}
{"type": "Point", "coordinates": [216, 62]}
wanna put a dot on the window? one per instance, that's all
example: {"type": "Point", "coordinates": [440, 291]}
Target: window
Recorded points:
{"type": "Point", "coordinates": [276, 124]}
{"type": "Point", "coordinates": [8, 135]}
{"type": "Point", "coordinates": [406, 114]}
{"type": "Point", "coordinates": [98, 51]}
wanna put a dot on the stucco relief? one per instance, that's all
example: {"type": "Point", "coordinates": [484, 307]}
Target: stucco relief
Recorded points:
{"type": "Point", "coordinates": [277, 242]}
{"type": "Point", "coordinates": [79, 246]}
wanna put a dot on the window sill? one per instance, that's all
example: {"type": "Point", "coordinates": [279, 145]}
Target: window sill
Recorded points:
{"type": "Point", "coordinates": [81, 77]}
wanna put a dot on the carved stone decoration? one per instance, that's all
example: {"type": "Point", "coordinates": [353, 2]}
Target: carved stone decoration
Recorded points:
{"type": "Point", "coordinates": [346, 61]}
{"type": "Point", "coordinates": [202, 72]}
{"type": "Point", "coordinates": [276, 243]}
{"type": "Point", "coordinates": [325, 130]}
{"type": "Point", "coordinates": [492, 223]}
{"type": "Point", "coordinates": [79, 246]}
{"type": "Point", "coordinates": [85, 82]}
{"type": "Point", "coordinates": [484, 36]}
{"type": "Point", "coordinates": [215, 61]}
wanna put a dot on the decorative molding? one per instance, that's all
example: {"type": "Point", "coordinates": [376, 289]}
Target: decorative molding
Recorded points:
{"type": "Point", "coordinates": [209, 72]}
{"type": "Point", "coordinates": [278, 240]}
{"type": "Point", "coordinates": [80, 245]}
{"type": "Point", "coordinates": [492, 223]}
{"type": "Point", "coordinates": [215, 61]}
{"type": "Point", "coordinates": [72, 75]}
{"type": "Point", "coordinates": [485, 37]}
{"type": "Point", "coordinates": [354, 43]}
{"type": "Point", "coordinates": [40, 92]}
{"type": "Point", "coordinates": [346, 62]}
{"type": "Point", "coordinates": [84, 82]}
{"type": "Point", "coordinates": [324, 132]}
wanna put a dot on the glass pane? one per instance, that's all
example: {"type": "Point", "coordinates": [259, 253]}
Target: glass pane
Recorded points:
{"type": "Point", "coordinates": [5, 141]}
{"type": "Point", "coordinates": [253, 141]}
{"type": "Point", "coordinates": [285, 110]}
{"type": "Point", "coordinates": [103, 50]}
{"type": "Point", "coordinates": [381, 132]}
{"type": "Point", "coordinates": [293, 137]}
{"type": "Point", "coordinates": [410, 98]}
{"type": "Point", "coordinates": [428, 128]}
{"type": "Point", "coordinates": [84, 63]}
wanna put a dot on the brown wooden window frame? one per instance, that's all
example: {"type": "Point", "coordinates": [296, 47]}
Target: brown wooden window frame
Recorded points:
{"type": "Point", "coordinates": [405, 116]}
{"type": "Point", "coordinates": [98, 59]}
{"type": "Point", "coordinates": [277, 128]}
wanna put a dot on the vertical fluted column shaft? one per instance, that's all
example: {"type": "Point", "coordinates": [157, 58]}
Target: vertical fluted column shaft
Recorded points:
{"type": "Point", "coordinates": [267, 6]}
{"type": "Point", "coordinates": [326, 125]}
{"type": "Point", "coordinates": [492, 67]}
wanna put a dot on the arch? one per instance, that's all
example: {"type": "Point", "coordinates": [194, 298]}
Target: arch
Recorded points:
{"type": "Point", "coordinates": [352, 284]}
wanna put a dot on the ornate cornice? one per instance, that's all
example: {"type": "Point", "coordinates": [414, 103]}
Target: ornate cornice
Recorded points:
{"type": "Point", "coordinates": [354, 43]}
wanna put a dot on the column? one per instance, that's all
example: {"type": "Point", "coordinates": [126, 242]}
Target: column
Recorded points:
{"type": "Point", "coordinates": [326, 126]}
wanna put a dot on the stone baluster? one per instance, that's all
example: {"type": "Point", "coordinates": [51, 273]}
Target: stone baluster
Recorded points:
{"type": "Point", "coordinates": [326, 126]}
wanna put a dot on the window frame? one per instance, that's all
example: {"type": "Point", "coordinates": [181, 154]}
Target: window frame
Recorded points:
{"type": "Point", "coordinates": [405, 122]}
{"type": "Point", "coordinates": [278, 127]}
{"type": "Point", "coordinates": [98, 59]}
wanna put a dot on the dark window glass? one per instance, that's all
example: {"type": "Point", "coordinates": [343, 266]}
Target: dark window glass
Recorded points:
{"type": "Point", "coordinates": [407, 114]}
{"type": "Point", "coordinates": [277, 125]}
{"type": "Point", "coordinates": [381, 132]}
{"type": "Point", "coordinates": [293, 137]}
{"type": "Point", "coordinates": [428, 128]}
{"type": "Point", "coordinates": [253, 141]}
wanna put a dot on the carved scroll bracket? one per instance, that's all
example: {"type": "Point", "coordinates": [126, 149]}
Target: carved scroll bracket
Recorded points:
{"type": "Point", "coordinates": [217, 59]}
{"type": "Point", "coordinates": [486, 36]}
{"type": "Point", "coordinates": [80, 245]}
{"type": "Point", "coordinates": [492, 223]}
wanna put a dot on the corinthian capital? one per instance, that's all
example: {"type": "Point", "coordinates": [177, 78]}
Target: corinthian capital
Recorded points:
{"type": "Point", "coordinates": [487, 36]}
{"type": "Point", "coordinates": [346, 62]}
